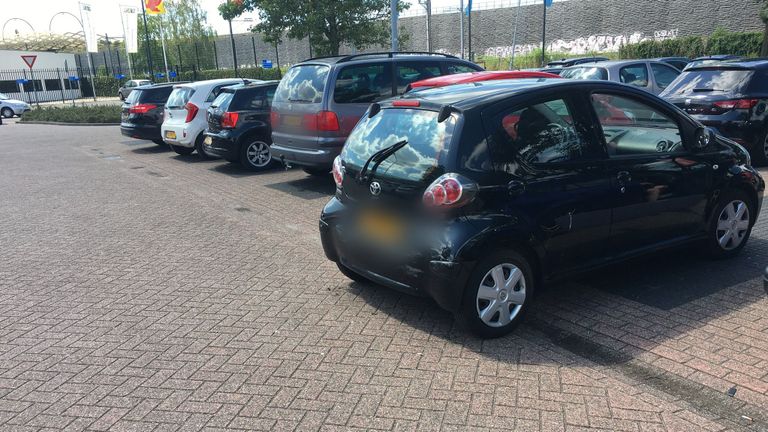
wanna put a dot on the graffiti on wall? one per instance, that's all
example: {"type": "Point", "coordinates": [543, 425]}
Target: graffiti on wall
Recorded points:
{"type": "Point", "coordinates": [584, 45]}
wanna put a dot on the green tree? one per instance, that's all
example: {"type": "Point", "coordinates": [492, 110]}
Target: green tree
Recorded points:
{"type": "Point", "coordinates": [328, 24]}
{"type": "Point", "coordinates": [185, 26]}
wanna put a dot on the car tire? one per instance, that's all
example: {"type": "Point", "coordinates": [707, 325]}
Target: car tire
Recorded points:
{"type": "Point", "coordinates": [184, 151]}
{"type": "Point", "coordinates": [200, 148]}
{"type": "Point", "coordinates": [351, 274]}
{"type": "Point", "coordinates": [159, 142]}
{"type": "Point", "coordinates": [120, 95]}
{"type": "Point", "coordinates": [730, 225]}
{"type": "Point", "coordinates": [498, 294]}
{"type": "Point", "coordinates": [255, 154]}
{"type": "Point", "coordinates": [7, 112]}
{"type": "Point", "coordinates": [759, 151]}
{"type": "Point", "coordinates": [317, 172]}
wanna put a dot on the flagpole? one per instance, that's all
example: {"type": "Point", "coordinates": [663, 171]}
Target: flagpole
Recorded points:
{"type": "Point", "coordinates": [146, 38]}
{"type": "Point", "coordinates": [162, 41]}
{"type": "Point", "coordinates": [87, 55]}
{"type": "Point", "coordinates": [125, 43]}
{"type": "Point", "coordinates": [544, 35]}
{"type": "Point", "coordinates": [514, 36]}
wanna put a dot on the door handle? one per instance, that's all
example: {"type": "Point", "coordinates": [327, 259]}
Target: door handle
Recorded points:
{"type": "Point", "coordinates": [623, 177]}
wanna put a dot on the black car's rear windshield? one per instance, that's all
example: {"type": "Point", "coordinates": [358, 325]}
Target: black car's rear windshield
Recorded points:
{"type": "Point", "coordinates": [303, 84]}
{"type": "Point", "coordinates": [223, 100]}
{"type": "Point", "coordinates": [428, 143]}
{"type": "Point", "coordinates": [716, 81]}
{"type": "Point", "coordinates": [585, 73]}
{"type": "Point", "coordinates": [150, 95]}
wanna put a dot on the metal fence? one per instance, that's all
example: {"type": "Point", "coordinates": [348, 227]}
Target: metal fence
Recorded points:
{"type": "Point", "coordinates": [44, 85]}
{"type": "Point", "coordinates": [418, 10]}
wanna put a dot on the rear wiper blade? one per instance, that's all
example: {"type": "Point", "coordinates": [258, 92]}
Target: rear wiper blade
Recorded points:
{"type": "Point", "coordinates": [298, 100]}
{"type": "Point", "coordinates": [702, 90]}
{"type": "Point", "coordinates": [377, 158]}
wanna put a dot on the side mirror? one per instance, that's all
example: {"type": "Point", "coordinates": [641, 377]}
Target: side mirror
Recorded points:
{"type": "Point", "coordinates": [704, 137]}
{"type": "Point", "coordinates": [515, 187]}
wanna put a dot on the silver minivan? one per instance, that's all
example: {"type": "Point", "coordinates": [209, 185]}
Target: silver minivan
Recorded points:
{"type": "Point", "coordinates": [319, 101]}
{"type": "Point", "coordinates": [649, 75]}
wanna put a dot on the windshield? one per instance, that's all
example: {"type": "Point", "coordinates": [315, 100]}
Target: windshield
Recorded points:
{"type": "Point", "coordinates": [179, 97]}
{"type": "Point", "coordinates": [303, 84]}
{"type": "Point", "coordinates": [585, 73]}
{"type": "Point", "coordinates": [133, 97]}
{"type": "Point", "coordinates": [222, 100]}
{"type": "Point", "coordinates": [428, 142]}
{"type": "Point", "coordinates": [3, 96]}
{"type": "Point", "coordinates": [709, 80]}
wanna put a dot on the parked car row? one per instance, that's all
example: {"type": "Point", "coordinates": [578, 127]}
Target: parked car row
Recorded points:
{"type": "Point", "coordinates": [477, 188]}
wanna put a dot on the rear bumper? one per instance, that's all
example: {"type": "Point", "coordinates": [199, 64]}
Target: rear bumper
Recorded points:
{"type": "Point", "coordinates": [223, 145]}
{"type": "Point", "coordinates": [144, 132]}
{"type": "Point", "coordinates": [311, 152]}
{"type": "Point", "coordinates": [421, 273]}
{"type": "Point", "coordinates": [186, 134]}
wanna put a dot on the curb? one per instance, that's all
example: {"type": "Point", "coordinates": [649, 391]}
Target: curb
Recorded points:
{"type": "Point", "coordinates": [66, 124]}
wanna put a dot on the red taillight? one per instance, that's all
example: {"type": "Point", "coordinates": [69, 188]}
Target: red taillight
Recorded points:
{"type": "Point", "coordinates": [274, 119]}
{"type": "Point", "coordinates": [326, 121]}
{"type": "Point", "coordinates": [406, 103]}
{"type": "Point", "coordinates": [338, 172]}
{"type": "Point", "coordinates": [141, 108]}
{"type": "Point", "coordinates": [192, 110]}
{"type": "Point", "coordinates": [229, 120]}
{"type": "Point", "coordinates": [450, 190]}
{"type": "Point", "coordinates": [744, 104]}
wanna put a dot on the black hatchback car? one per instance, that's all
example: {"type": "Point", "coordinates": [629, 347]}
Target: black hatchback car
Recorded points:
{"type": "Point", "coordinates": [142, 112]}
{"type": "Point", "coordinates": [476, 194]}
{"type": "Point", "coordinates": [731, 97]}
{"type": "Point", "coordinates": [238, 125]}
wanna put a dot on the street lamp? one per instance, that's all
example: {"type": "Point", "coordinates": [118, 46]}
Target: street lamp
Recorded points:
{"type": "Point", "coordinates": [16, 19]}
{"type": "Point", "coordinates": [427, 4]}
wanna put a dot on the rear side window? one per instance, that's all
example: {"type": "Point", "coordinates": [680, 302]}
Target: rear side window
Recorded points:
{"type": "Point", "coordinates": [248, 100]}
{"type": "Point", "coordinates": [428, 142]}
{"type": "Point", "coordinates": [179, 97]}
{"type": "Point", "coordinates": [705, 81]}
{"type": "Point", "coordinates": [363, 84]}
{"type": "Point", "coordinates": [407, 73]}
{"type": "Point", "coordinates": [158, 96]}
{"type": "Point", "coordinates": [455, 68]}
{"type": "Point", "coordinates": [636, 75]}
{"type": "Point", "coordinates": [133, 97]}
{"type": "Point", "coordinates": [215, 92]}
{"type": "Point", "coordinates": [585, 73]}
{"type": "Point", "coordinates": [303, 84]}
{"type": "Point", "coordinates": [664, 75]}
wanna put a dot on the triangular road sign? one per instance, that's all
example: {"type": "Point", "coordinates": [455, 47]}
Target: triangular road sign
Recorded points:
{"type": "Point", "coordinates": [29, 60]}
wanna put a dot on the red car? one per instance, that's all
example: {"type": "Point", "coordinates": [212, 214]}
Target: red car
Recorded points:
{"type": "Point", "coordinates": [470, 77]}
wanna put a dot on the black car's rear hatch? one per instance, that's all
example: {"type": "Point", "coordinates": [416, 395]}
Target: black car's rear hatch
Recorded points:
{"type": "Point", "coordinates": [709, 90]}
{"type": "Point", "coordinates": [218, 107]}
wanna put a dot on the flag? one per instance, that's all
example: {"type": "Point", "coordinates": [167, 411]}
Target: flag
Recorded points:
{"type": "Point", "coordinates": [154, 7]}
{"type": "Point", "coordinates": [548, 3]}
{"type": "Point", "coordinates": [130, 30]}
{"type": "Point", "coordinates": [469, 7]}
{"type": "Point", "coordinates": [91, 40]}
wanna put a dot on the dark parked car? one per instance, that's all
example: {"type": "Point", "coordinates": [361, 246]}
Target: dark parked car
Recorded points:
{"type": "Point", "coordinates": [320, 100]}
{"type": "Point", "coordinates": [238, 125]}
{"type": "Point", "coordinates": [477, 194]}
{"type": "Point", "coordinates": [678, 62]}
{"type": "Point", "coordinates": [142, 112]}
{"type": "Point", "coordinates": [700, 61]}
{"type": "Point", "coordinates": [557, 66]}
{"type": "Point", "coordinates": [730, 97]}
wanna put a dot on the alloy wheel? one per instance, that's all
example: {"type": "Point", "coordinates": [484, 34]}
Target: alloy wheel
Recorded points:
{"type": "Point", "coordinates": [732, 225]}
{"type": "Point", "coordinates": [258, 154]}
{"type": "Point", "coordinates": [501, 295]}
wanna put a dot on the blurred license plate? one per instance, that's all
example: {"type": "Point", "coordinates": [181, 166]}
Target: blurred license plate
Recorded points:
{"type": "Point", "coordinates": [170, 134]}
{"type": "Point", "coordinates": [208, 140]}
{"type": "Point", "coordinates": [381, 226]}
{"type": "Point", "coordinates": [292, 120]}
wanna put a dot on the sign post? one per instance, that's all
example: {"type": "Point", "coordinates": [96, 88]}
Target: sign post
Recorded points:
{"type": "Point", "coordinates": [30, 61]}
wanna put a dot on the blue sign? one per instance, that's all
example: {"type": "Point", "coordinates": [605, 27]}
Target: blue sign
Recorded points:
{"type": "Point", "coordinates": [266, 64]}
{"type": "Point", "coordinates": [119, 76]}
{"type": "Point", "coordinates": [160, 75]}
{"type": "Point", "coordinates": [21, 81]}
{"type": "Point", "coordinates": [172, 74]}
{"type": "Point", "coordinates": [469, 7]}
{"type": "Point", "coordinates": [73, 78]}
{"type": "Point", "coordinates": [547, 3]}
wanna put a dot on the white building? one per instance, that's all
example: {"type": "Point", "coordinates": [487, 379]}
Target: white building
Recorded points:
{"type": "Point", "coordinates": [51, 72]}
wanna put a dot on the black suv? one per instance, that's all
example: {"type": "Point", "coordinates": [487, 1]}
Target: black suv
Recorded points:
{"type": "Point", "coordinates": [320, 100]}
{"type": "Point", "coordinates": [730, 97]}
{"type": "Point", "coordinates": [142, 112]}
{"type": "Point", "coordinates": [238, 125]}
{"type": "Point", "coordinates": [476, 194]}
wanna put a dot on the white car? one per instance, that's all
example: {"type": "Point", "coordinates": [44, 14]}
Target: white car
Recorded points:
{"type": "Point", "coordinates": [185, 114]}
{"type": "Point", "coordinates": [11, 107]}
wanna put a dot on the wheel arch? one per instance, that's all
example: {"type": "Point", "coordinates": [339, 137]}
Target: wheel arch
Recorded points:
{"type": "Point", "coordinates": [257, 132]}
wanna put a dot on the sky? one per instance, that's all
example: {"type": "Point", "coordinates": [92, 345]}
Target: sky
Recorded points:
{"type": "Point", "coordinates": [106, 16]}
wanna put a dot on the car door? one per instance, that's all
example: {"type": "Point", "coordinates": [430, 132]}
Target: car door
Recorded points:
{"type": "Point", "coordinates": [663, 76]}
{"type": "Point", "coordinates": [549, 147]}
{"type": "Point", "coordinates": [660, 188]}
{"type": "Point", "coordinates": [636, 75]}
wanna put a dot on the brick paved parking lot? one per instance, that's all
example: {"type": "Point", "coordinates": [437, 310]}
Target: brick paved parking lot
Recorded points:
{"type": "Point", "coordinates": [141, 290]}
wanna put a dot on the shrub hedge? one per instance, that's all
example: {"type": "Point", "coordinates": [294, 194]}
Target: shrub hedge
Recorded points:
{"type": "Point", "coordinates": [75, 114]}
{"type": "Point", "coordinates": [719, 42]}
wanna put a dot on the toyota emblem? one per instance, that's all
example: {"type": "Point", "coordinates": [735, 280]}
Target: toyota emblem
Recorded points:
{"type": "Point", "coordinates": [375, 188]}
